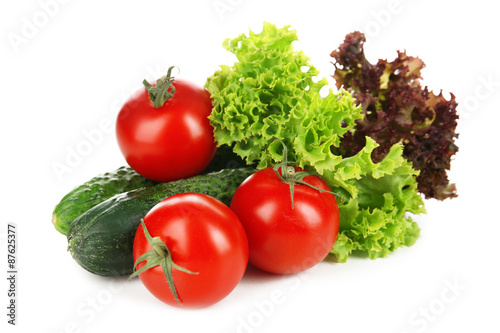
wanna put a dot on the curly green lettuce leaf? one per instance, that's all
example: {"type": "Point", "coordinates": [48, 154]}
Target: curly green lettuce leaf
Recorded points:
{"type": "Point", "coordinates": [272, 92]}
{"type": "Point", "coordinates": [377, 220]}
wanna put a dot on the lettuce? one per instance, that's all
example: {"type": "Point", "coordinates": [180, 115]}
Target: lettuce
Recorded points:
{"type": "Point", "coordinates": [272, 91]}
{"type": "Point", "coordinates": [377, 220]}
{"type": "Point", "coordinates": [398, 108]}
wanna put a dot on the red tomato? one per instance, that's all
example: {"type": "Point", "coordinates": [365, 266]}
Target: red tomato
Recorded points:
{"type": "Point", "coordinates": [283, 239]}
{"type": "Point", "coordinates": [172, 141]}
{"type": "Point", "coordinates": [204, 237]}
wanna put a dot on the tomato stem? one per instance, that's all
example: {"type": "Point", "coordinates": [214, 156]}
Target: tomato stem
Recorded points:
{"type": "Point", "coordinates": [290, 172]}
{"type": "Point", "coordinates": [159, 255]}
{"type": "Point", "coordinates": [290, 176]}
{"type": "Point", "coordinates": [162, 91]}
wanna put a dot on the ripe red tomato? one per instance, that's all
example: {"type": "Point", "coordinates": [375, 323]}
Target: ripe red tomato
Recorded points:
{"type": "Point", "coordinates": [202, 236]}
{"type": "Point", "coordinates": [283, 239]}
{"type": "Point", "coordinates": [172, 141]}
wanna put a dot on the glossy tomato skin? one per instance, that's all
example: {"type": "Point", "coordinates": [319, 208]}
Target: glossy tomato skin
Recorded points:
{"type": "Point", "coordinates": [171, 142]}
{"type": "Point", "coordinates": [203, 236]}
{"type": "Point", "coordinates": [282, 239]}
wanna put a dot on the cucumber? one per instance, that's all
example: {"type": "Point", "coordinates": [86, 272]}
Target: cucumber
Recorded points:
{"type": "Point", "coordinates": [93, 192]}
{"type": "Point", "coordinates": [124, 179]}
{"type": "Point", "coordinates": [101, 239]}
{"type": "Point", "coordinates": [225, 158]}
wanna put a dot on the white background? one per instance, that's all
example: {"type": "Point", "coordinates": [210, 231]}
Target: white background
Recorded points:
{"type": "Point", "coordinates": [75, 62]}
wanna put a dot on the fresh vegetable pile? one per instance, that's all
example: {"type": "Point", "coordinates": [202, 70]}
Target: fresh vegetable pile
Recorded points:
{"type": "Point", "coordinates": [269, 93]}
{"type": "Point", "coordinates": [260, 167]}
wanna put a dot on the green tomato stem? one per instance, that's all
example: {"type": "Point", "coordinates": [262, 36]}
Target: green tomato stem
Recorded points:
{"type": "Point", "coordinates": [291, 177]}
{"type": "Point", "coordinates": [160, 255]}
{"type": "Point", "coordinates": [162, 91]}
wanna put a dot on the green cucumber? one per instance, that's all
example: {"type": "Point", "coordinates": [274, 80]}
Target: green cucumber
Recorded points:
{"type": "Point", "coordinates": [124, 179]}
{"type": "Point", "coordinates": [101, 239]}
{"type": "Point", "coordinates": [93, 192]}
